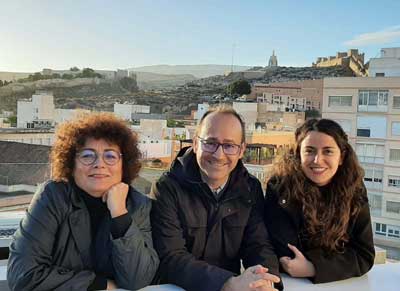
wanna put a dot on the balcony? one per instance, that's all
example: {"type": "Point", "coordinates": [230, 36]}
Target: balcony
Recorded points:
{"type": "Point", "coordinates": [372, 108]}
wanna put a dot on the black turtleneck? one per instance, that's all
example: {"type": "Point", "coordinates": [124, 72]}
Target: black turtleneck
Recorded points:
{"type": "Point", "coordinates": [119, 225]}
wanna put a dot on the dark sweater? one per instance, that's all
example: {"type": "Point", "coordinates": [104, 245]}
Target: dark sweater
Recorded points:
{"type": "Point", "coordinates": [119, 225]}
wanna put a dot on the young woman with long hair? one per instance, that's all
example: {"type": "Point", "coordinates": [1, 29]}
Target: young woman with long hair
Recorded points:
{"type": "Point", "coordinates": [317, 209]}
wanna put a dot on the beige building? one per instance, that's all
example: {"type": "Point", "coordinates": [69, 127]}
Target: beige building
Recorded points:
{"type": "Point", "coordinates": [369, 111]}
{"type": "Point", "coordinates": [283, 102]}
{"type": "Point", "coordinates": [309, 90]}
{"type": "Point", "coordinates": [248, 110]}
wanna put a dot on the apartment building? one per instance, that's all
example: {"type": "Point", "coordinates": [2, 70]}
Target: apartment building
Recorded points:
{"type": "Point", "coordinates": [282, 102]}
{"type": "Point", "coordinates": [308, 90]}
{"type": "Point", "coordinates": [369, 111]}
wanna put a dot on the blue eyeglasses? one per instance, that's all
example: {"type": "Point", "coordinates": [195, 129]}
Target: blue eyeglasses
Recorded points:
{"type": "Point", "coordinates": [88, 157]}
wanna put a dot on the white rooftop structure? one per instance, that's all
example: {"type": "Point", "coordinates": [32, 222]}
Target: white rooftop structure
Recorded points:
{"type": "Point", "coordinates": [388, 65]}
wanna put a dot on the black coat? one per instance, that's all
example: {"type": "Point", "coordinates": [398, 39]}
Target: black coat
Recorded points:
{"type": "Point", "coordinates": [285, 222]}
{"type": "Point", "coordinates": [52, 248]}
{"type": "Point", "coordinates": [200, 240]}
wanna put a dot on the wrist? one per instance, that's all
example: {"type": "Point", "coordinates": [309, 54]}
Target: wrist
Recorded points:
{"type": "Point", "coordinates": [118, 212]}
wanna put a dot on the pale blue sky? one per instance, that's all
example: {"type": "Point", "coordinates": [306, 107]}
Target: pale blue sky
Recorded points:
{"type": "Point", "coordinates": [122, 34]}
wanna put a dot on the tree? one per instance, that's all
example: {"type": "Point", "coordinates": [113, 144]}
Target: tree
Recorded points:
{"type": "Point", "coordinates": [67, 76]}
{"type": "Point", "coordinates": [239, 87]}
{"type": "Point", "coordinates": [1, 83]}
{"type": "Point", "coordinates": [36, 77]}
{"type": "Point", "coordinates": [129, 84]}
{"type": "Point", "coordinates": [88, 73]}
{"type": "Point", "coordinates": [74, 69]}
{"type": "Point", "coordinates": [12, 120]}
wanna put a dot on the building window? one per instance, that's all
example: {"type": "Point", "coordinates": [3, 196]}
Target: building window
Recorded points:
{"type": "Point", "coordinates": [373, 175]}
{"type": "Point", "coordinates": [394, 155]}
{"type": "Point", "coordinates": [394, 181]}
{"type": "Point", "coordinates": [387, 230]}
{"type": "Point", "coordinates": [379, 74]}
{"type": "Point", "coordinates": [373, 97]}
{"type": "Point", "coordinates": [375, 203]}
{"type": "Point", "coordinates": [373, 100]}
{"type": "Point", "coordinates": [396, 102]}
{"type": "Point", "coordinates": [370, 153]}
{"type": "Point", "coordinates": [364, 132]}
{"type": "Point", "coordinates": [393, 207]}
{"type": "Point", "coordinates": [380, 228]}
{"type": "Point", "coordinates": [396, 128]}
{"type": "Point", "coordinates": [394, 232]}
{"type": "Point", "coordinates": [373, 178]}
{"type": "Point", "coordinates": [339, 101]}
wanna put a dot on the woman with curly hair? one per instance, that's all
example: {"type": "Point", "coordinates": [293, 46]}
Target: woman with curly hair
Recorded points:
{"type": "Point", "coordinates": [87, 228]}
{"type": "Point", "coordinates": [317, 209]}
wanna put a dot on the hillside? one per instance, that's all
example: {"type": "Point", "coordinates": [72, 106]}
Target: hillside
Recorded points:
{"type": "Point", "coordinates": [199, 71]}
{"type": "Point", "coordinates": [148, 80]}
{"type": "Point", "coordinates": [81, 92]}
{"type": "Point", "coordinates": [278, 74]}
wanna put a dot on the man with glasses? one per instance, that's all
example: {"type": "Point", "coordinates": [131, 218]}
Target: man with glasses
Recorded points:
{"type": "Point", "coordinates": [208, 214]}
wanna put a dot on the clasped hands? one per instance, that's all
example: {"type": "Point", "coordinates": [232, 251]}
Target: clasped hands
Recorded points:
{"type": "Point", "coordinates": [254, 278]}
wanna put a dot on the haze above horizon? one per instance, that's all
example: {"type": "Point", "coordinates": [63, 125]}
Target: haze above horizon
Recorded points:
{"type": "Point", "coordinates": [125, 34]}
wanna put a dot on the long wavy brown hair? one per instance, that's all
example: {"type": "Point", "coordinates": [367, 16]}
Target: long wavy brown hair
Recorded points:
{"type": "Point", "coordinates": [327, 214]}
{"type": "Point", "coordinates": [71, 136]}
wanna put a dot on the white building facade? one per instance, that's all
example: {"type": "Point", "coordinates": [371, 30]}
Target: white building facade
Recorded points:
{"type": "Point", "coordinates": [37, 112]}
{"type": "Point", "coordinates": [201, 110]}
{"type": "Point", "coordinates": [368, 109]}
{"type": "Point", "coordinates": [125, 110]}
{"type": "Point", "coordinates": [388, 65]}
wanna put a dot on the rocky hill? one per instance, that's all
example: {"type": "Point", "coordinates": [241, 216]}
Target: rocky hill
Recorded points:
{"type": "Point", "coordinates": [278, 74]}
{"type": "Point", "coordinates": [100, 94]}
{"type": "Point", "coordinates": [147, 81]}
{"type": "Point", "coordinates": [198, 71]}
{"type": "Point", "coordinates": [76, 93]}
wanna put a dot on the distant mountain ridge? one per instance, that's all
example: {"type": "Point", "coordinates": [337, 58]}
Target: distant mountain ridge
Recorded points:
{"type": "Point", "coordinates": [148, 80]}
{"type": "Point", "coordinates": [13, 76]}
{"type": "Point", "coordinates": [199, 71]}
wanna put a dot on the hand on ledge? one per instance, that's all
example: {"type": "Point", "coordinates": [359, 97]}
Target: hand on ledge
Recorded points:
{"type": "Point", "coordinates": [254, 278]}
{"type": "Point", "coordinates": [111, 285]}
{"type": "Point", "coordinates": [299, 266]}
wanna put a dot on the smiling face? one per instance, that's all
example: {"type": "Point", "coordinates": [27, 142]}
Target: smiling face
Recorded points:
{"type": "Point", "coordinates": [216, 167]}
{"type": "Point", "coordinates": [320, 157]}
{"type": "Point", "coordinates": [97, 178]}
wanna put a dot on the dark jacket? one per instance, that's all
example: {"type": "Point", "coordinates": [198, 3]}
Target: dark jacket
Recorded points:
{"type": "Point", "coordinates": [200, 240]}
{"type": "Point", "coordinates": [51, 250]}
{"type": "Point", "coordinates": [285, 223]}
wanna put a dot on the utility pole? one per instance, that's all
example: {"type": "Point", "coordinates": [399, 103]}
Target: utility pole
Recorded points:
{"type": "Point", "coordinates": [233, 52]}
